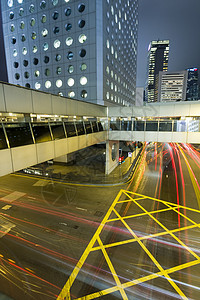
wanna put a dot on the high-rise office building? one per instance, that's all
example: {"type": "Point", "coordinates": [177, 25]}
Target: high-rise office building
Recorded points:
{"type": "Point", "coordinates": [158, 55]}
{"type": "Point", "coordinates": [192, 85]}
{"type": "Point", "coordinates": [172, 86]}
{"type": "Point", "coordinates": [82, 49]}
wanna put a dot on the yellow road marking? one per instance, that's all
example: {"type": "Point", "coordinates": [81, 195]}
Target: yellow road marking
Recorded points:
{"type": "Point", "coordinates": [129, 200]}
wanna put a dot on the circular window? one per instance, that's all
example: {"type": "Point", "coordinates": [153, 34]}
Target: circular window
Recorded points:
{"type": "Point", "coordinates": [37, 73]}
{"type": "Point", "coordinates": [28, 85]}
{"type": "Point", "coordinates": [22, 25]}
{"type": "Point", "coordinates": [35, 61]}
{"type": "Point", "coordinates": [82, 38]}
{"type": "Point", "coordinates": [81, 7]}
{"type": "Point", "coordinates": [14, 52]}
{"type": "Point", "coordinates": [12, 27]}
{"type": "Point", "coordinates": [31, 8]}
{"type": "Point", "coordinates": [47, 84]}
{"type": "Point", "coordinates": [45, 46]}
{"type": "Point", "coordinates": [10, 3]}
{"type": "Point", "coordinates": [59, 83]}
{"type": "Point", "coordinates": [114, 151]}
{"type": "Point", "coordinates": [70, 82]}
{"type": "Point", "coordinates": [32, 22]}
{"type": "Point", "coordinates": [25, 63]}
{"type": "Point", "coordinates": [33, 35]}
{"type": "Point", "coordinates": [82, 52]}
{"type": "Point", "coordinates": [37, 85]}
{"type": "Point", "coordinates": [24, 50]}
{"type": "Point", "coordinates": [16, 64]}
{"type": "Point", "coordinates": [47, 72]}
{"type": "Point", "coordinates": [21, 12]}
{"type": "Point", "coordinates": [42, 4]}
{"type": "Point", "coordinates": [58, 70]}
{"type": "Point", "coordinates": [68, 12]}
{"type": "Point", "coordinates": [13, 40]}
{"type": "Point", "coordinates": [56, 30]}
{"type": "Point", "coordinates": [44, 32]}
{"type": "Point", "coordinates": [54, 2]}
{"type": "Point", "coordinates": [43, 18]}
{"type": "Point", "coordinates": [58, 57]}
{"type": "Point", "coordinates": [70, 55]}
{"type": "Point", "coordinates": [26, 74]}
{"type": "Point", "coordinates": [17, 76]}
{"type": "Point", "coordinates": [81, 23]}
{"type": "Point", "coordinates": [11, 15]}
{"type": "Point", "coordinates": [83, 80]}
{"type": "Point", "coordinates": [55, 15]}
{"type": "Point", "coordinates": [83, 67]}
{"type": "Point", "coordinates": [46, 59]}
{"type": "Point", "coordinates": [68, 27]}
{"type": "Point", "coordinates": [60, 94]}
{"type": "Point", "coordinates": [84, 94]}
{"type": "Point", "coordinates": [20, 1]}
{"type": "Point", "coordinates": [71, 94]}
{"type": "Point", "coordinates": [69, 41]}
{"type": "Point", "coordinates": [34, 49]}
{"type": "Point", "coordinates": [23, 38]}
{"type": "Point", "coordinates": [56, 44]}
{"type": "Point", "coordinates": [71, 69]}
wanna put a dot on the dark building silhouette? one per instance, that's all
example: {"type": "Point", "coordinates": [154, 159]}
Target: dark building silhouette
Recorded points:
{"type": "Point", "coordinates": [192, 85]}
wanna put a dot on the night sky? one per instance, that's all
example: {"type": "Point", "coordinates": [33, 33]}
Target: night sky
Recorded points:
{"type": "Point", "coordinates": [177, 20]}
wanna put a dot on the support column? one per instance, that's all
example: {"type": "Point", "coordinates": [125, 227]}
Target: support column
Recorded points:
{"type": "Point", "coordinates": [65, 158]}
{"type": "Point", "coordinates": [112, 156]}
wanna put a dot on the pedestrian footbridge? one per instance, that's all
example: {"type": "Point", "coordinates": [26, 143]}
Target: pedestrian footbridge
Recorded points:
{"type": "Point", "coordinates": [37, 126]}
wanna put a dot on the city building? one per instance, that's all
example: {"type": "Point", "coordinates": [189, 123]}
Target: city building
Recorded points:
{"type": "Point", "coordinates": [81, 49]}
{"type": "Point", "coordinates": [172, 86]}
{"type": "Point", "coordinates": [192, 85]}
{"type": "Point", "coordinates": [158, 55]}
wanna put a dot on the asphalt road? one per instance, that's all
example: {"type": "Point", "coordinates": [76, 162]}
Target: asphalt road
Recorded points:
{"type": "Point", "coordinates": [46, 226]}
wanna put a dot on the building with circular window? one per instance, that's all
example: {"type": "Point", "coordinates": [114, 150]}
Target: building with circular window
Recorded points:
{"type": "Point", "coordinates": [53, 46]}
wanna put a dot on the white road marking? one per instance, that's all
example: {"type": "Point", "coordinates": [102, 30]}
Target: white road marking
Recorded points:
{"type": "Point", "coordinates": [13, 196]}
{"type": "Point", "coordinates": [40, 183]}
{"type": "Point", "coordinates": [80, 208]}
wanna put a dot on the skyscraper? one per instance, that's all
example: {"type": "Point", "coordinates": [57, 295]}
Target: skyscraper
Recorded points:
{"type": "Point", "coordinates": [192, 85]}
{"type": "Point", "coordinates": [82, 49]}
{"type": "Point", "coordinates": [158, 55]}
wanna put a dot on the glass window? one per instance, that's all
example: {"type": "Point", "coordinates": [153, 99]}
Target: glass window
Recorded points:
{"type": "Point", "coordinates": [21, 12]}
{"type": "Point", "coordinates": [35, 61]}
{"type": "Point", "coordinates": [69, 41]}
{"type": "Point", "coordinates": [81, 7]}
{"type": "Point", "coordinates": [13, 40]}
{"type": "Point", "coordinates": [88, 127]}
{"type": "Point", "coordinates": [71, 94]}
{"type": "Point", "coordinates": [70, 129]}
{"type": "Point", "coordinates": [17, 76]}
{"type": "Point", "coordinates": [42, 4]}
{"type": "Point", "coordinates": [19, 134]}
{"type": "Point", "coordinates": [84, 94]}
{"type": "Point", "coordinates": [16, 64]}
{"type": "Point", "coordinates": [37, 73]}
{"type": "Point", "coordinates": [47, 84]}
{"type": "Point", "coordinates": [37, 85]}
{"type": "Point", "coordinates": [46, 59]}
{"type": "Point", "coordinates": [24, 50]}
{"type": "Point", "coordinates": [43, 18]}
{"type": "Point", "coordinates": [10, 3]}
{"type": "Point", "coordinates": [3, 143]}
{"type": "Point", "coordinates": [22, 25]}
{"type": "Point", "coordinates": [45, 46]}
{"type": "Point", "coordinates": [55, 15]}
{"type": "Point", "coordinates": [70, 82]}
{"type": "Point", "coordinates": [23, 38]}
{"type": "Point", "coordinates": [70, 55]}
{"type": "Point", "coordinates": [68, 27]}
{"type": "Point", "coordinates": [25, 63]}
{"type": "Point", "coordinates": [41, 132]}
{"type": "Point", "coordinates": [82, 38]}
{"type": "Point", "coordinates": [44, 32]}
{"type": "Point", "coordinates": [58, 70]}
{"type": "Point", "coordinates": [54, 2]}
{"type": "Point", "coordinates": [82, 53]}
{"type": "Point", "coordinates": [80, 127]}
{"type": "Point", "coordinates": [58, 57]}
{"type": "Point", "coordinates": [59, 83]}
{"type": "Point", "coordinates": [31, 8]}
{"type": "Point", "coordinates": [11, 15]}
{"type": "Point", "coordinates": [56, 44]}
{"type": "Point", "coordinates": [57, 130]}
{"type": "Point", "coordinates": [32, 22]}
{"type": "Point", "coordinates": [12, 27]}
{"type": "Point", "coordinates": [47, 72]}
{"type": "Point", "coordinates": [68, 11]}
{"type": "Point", "coordinates": [33, 35]}
{"type": "Point", "coordinates": [83, 67]}
{"type": "Point", "coordinates": [151, 126]}
{"type": "Point", "coordinates": [83, 80]}
{"type": "Point", "coordinates": [71, 69]}
{"type": "Point", "coordinates": [81, 23]}
{"type": "Point", "coordinates": [56, 30]}
{"type": "Point", "coordinates": [34, 49]}
{"type": "Point", "coordinates": [27, 85]}
{"type": "Point", "coordinates": [26, 74]}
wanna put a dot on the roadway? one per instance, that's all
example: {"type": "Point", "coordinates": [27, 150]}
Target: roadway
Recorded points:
{"type": "Point", "coordinates": [46, 226]}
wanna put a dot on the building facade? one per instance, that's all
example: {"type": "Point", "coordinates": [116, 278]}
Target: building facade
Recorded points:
{"type": "Point", "coordinates": [158, 56]}
{"type": "Point", "coordinates": [172, 86]}
{"type": "Point", "coordinates": [81, 49]}
{"type": "Point", "coordinates": [192, 84]}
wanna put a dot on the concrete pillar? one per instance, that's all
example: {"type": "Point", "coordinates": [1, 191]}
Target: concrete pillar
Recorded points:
{"type": "Point", "coordinates": [65, 158]}
{"type": "Point", "coordinates": [112, 156]}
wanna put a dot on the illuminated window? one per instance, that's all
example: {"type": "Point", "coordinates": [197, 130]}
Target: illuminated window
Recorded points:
{"type": "Point", "coordinates": [83, 67]}
{"type": "Point", "coordinates": [71, 69]}
{"type": "Point", "coordinates": [37, 73]}
{"type": "Point", "coordinates": [69, 41]}
{"type": "Point", "coordinates": [47, 84]}
{"type": "Point", "coordinates": [83, 80]}
{"type": "Point", "coordinates": [84, 94]}
{"type": "Point", "coordinates": [33, 35]}
{"type": "Point", "coordinates": [24, 51]}
{"type": "Point", "coordinates": [45, 46]}
{"type": "Point", "coordinates": [56, 44]}
{"type": "Point", "coordinates": [71, 94]}
{"type": "Point", "coordinates": [37, 85]}
{"type": "Point", "coordinates": [43, 18]}
{"type": "Point", "coordinates": [59, 83]}
{"type": "Point", "coordinates": [82, 38]}
{"type": "Point", "coordinates": [44, 32]}
{"type": "Point", "coordinates": [10, 3]}
{"type": "Point", "coordinates": [35, 49]}
{"type": "Point", "coordinates": [70, 82]}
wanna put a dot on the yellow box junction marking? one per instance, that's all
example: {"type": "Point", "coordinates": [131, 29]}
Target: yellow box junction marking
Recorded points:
{"type": "Point", "coordinates": [165, 273]}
